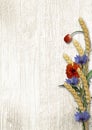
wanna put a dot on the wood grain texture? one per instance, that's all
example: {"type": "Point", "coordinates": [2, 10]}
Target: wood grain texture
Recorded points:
{"type": "Point", "coordinates": [31, 62]}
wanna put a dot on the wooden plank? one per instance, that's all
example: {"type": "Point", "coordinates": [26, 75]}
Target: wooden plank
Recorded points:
{"type": "Point", "coordinates": [31, 63]}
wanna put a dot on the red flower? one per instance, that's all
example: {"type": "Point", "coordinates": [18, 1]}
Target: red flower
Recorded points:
{"type": "Point", "coordinates": [71, 70]}
{"type": "Point", "coordinates": [68, 38]}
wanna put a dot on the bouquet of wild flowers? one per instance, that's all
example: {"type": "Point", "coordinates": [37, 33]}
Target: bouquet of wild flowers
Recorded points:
{"type": "Point", "coordinates": [78, 75]}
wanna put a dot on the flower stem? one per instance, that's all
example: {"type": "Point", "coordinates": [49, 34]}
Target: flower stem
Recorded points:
{"type": "Point", "coordinates": [76, 32]}
{"type": "Point", "coordinates": [83, 126]}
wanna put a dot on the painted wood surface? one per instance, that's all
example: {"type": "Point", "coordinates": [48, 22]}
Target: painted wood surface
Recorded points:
{"type": "Point", "coordinates": [31, 63]}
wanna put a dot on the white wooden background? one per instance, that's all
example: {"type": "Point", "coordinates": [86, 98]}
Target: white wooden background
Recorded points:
{"type": "Point", "coordinates": [31, 63]}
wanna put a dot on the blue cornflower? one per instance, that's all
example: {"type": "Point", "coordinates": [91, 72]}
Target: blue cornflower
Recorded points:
{"type": "Point", "coordinates": [81, 59]}
{"type": "Point", "coordinates": [82, 116]}
{"type": "Point", "coordinates": [72, 81]}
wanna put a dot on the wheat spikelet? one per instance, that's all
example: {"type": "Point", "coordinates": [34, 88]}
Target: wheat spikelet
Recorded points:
{"type": "Point", "coordinates": [86, 34]}
{"type": "Point", "coordinates": [68, 59]}
{"type": "Point", "coordinates": [78, 47]}
{"type": "Point", "coordinates": [87, 92]}
{"type": "Point", "coordinates": [76, 97]}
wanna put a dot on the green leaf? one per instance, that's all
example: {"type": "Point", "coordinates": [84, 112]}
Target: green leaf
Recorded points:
{"type": "Point", "coordinates": [75, 88]}
{"type": "Point", "coordinates": [89, 75]}
{"type": "Point", "coordinates": [62, 86]}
